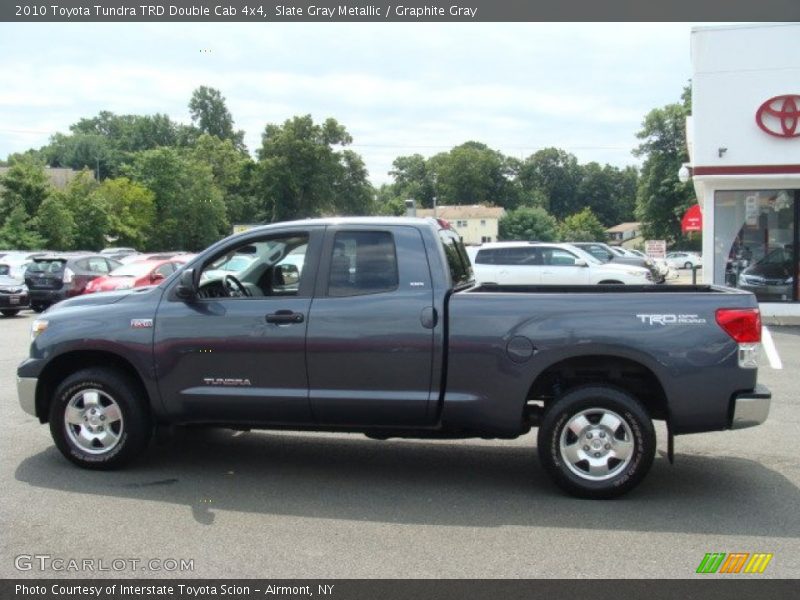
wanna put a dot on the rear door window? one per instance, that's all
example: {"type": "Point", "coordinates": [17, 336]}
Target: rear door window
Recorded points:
{"type": "Point", "coordinates": [363, 262]}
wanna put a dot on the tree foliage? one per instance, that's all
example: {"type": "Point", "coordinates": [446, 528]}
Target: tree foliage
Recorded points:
{"type": "Point", "coordinates": [529, 223]}
{"type": "Point", "coordinates": [189, 209]}
{"type": "Point", "coordinates": [302, 174]}
{"type": "Point", "coordinates": [24, 186]}
{"type": "Point", "coordinates": [661, 199]}
{"type": "Point", "coordinates": [583, 226]}
{"type": "Point", "coordinates": [211, 116]}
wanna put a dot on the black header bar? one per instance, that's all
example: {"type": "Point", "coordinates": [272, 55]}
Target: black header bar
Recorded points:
{"type": "Point", "coordinates": [260, 11]}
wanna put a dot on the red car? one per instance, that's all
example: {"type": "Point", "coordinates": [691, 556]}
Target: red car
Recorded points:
{"type": "Point", "coordinates": [135, 274]}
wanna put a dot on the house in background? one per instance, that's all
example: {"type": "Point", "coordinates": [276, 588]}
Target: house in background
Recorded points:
{"type": "Point", "coordinates": [624, 234]}
{"type": "Point", "coordinates": [476, 223]}
{"type": "Point", "coordinates": [59, 178]}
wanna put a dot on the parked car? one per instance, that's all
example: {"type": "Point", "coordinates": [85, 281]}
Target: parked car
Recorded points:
{"type": "Point", "coordinates": [772, 277]}
{"type": "Point", "coordinates": [229, 265]}
{"type": "Point", "coordinates": [136, 257]}
{"type": "Point", "coordinates": [607, 254]}
{"type": "Point", "coordinates": [684, 260]}
{"type": "Point", "coordinates": [54, 277]}
{"type": "Point", "coordinates": [526, 263]}
{"type": "Point", "coordinates": [118, 253]}
{"type": "Point", "coordinates": [389, 336]}
{"type": "Point", "coordinates": [13, 293]}
{"type": "Point", "coordinates": [135, 274]}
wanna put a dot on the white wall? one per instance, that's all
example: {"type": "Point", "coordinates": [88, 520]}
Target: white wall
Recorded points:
{"type": "Point", "coordinates": [735, 70]}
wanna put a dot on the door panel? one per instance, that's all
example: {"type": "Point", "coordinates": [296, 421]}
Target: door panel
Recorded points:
{"type": "Point", "coordinates": [228, 359]}
{"type": "Point", "coordinates": [371, 330]}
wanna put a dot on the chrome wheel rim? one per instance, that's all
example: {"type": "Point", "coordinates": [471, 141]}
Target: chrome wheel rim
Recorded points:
{"type": "Point", "coordinates": [93, 421]}
{"type": "Point", "coordinates": [596, 444]}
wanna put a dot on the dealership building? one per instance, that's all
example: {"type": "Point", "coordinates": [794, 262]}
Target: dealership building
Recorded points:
{"type": "Point", "coordinates": [744, 148]}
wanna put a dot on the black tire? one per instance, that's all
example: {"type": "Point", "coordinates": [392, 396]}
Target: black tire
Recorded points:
{"type": "Point", "coordinates": [38, 308]}
{"type": "Point", "coordinates": [10, 313]}
{"type": "Point", "coordinates": [114, 387]}
{"type": "Point", "coordinates": [611, 282]}
{"type": "Point", "coordinates": [591, 401]}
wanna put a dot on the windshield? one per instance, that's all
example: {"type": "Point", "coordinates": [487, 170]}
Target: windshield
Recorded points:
{"type": "Point", "coordinates": [132, 270]}
{"type": "Point", "coordinates": [589, 258]}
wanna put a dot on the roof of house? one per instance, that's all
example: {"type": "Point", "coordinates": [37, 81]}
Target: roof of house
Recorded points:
{"type": "Point", "coordinates": [625, 227]}
{"type": "Point", "coordinates": [473, 211]}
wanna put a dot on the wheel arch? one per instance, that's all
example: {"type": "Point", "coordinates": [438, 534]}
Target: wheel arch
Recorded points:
{"type": "Point", "coordinates": [62, 366]}
{"type": "Point", "coordinates": [628, 374]}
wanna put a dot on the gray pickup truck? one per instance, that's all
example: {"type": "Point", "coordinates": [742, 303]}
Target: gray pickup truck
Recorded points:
{"type": "Point", "coordinates": [375, 325]}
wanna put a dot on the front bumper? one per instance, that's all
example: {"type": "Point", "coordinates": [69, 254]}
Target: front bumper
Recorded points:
{"type": "Point", "coordinates": [26, 392]}
{"type": "Point", "coordinates": [751, 408]}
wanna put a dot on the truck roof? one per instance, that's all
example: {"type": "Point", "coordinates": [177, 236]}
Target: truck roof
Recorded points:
{"type": "Point", "coordinates": [413, 221]}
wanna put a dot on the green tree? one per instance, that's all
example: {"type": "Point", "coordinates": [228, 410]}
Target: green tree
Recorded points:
{"type": "Point", "coordinates": [388, 202]}
{"type": "Point", "coordinates": [554, 175]}
{"type": "Point", "coordinates": [130, 211]}
{"type": "Point", "coordinates": [582, 227]}
{"type": "Point", "coordinates": [18, 231]}
{"type": "Point", "coordinates": [211, 116]}
{"type": "Point", "coordinates": [189, 209]}
{"type": "Point", "coordinates": [90, 215]}
{"type": "Point", "coordinates": [610, 192]}
{"type": "Point", "coordinates": [528, 223]}
{"type": "Point", "coordinates": [234, 174]}
{"type": "Point", "coordinates": [301, 174]}
{"type": "Point", "coordinates": [25, 185]}
{"type": "Point", "coordinates": [55, 224]}
{"type": "Point", "coordinates": [413, 179]}
{"type": "Point", "coordinates": [662, 199]}
{"type": "Point", "coordinates": [473, 173]}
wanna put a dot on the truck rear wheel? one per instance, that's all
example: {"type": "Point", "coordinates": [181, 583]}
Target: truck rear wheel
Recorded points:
{"type": "Point", "coordinates": [10, 313]}
{"type": "Point", "coordinates": [597, 441]}
{"type": "Point", "coordinates": [98, 419]}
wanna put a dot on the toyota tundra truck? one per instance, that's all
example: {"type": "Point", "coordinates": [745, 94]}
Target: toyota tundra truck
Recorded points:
{"type": "Point", "coordinates": [375, 326]}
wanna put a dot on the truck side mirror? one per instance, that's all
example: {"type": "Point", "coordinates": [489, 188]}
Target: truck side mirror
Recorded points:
{"type": "Point", "coordinates": [580, 262]}
{"type": "Point", "coordinates": [187, 289]}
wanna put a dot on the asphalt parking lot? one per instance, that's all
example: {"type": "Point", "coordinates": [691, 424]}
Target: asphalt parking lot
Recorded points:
{"type": "Point", "coordinates": [267, 505]}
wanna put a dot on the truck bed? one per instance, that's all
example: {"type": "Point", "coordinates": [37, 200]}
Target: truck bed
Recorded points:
{"type": "Point", "coordinates": [600, 289]}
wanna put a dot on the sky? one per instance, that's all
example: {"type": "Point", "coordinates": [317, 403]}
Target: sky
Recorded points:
{"type": "Point", "coordinates": [398, 88]}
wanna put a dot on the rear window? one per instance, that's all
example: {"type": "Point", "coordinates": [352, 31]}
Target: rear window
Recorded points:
{"type": "Point", "coordinates": [46, 266]}
{"type": "Point", "coordinates": [457, 259]}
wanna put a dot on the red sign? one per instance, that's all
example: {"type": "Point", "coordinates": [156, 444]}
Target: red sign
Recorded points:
{"type": "Point", "coordinates": [692, 220]}
{"type": "Point", "coordinates": [780, 116]}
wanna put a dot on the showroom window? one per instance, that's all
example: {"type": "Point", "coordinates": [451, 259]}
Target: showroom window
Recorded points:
{"type": "Point", "coordinates": [755, 242]}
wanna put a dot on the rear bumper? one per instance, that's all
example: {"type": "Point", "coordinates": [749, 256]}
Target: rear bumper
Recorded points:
{"type": "Point", "coordinates": [47, 296]}
{"type": "Point", "coordinates": [751, 408]}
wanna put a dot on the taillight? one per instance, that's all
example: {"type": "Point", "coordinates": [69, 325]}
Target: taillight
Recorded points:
{"type": "Point", "coordinates": [68, 275]}
{"type": "Point", "coordinates": [742, 324]}
{"type": "Point", "coordinates": [443, 224]}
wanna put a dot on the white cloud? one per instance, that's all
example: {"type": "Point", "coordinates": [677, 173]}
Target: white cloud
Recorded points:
{"type": "Point", "coordinates": [398, 88]}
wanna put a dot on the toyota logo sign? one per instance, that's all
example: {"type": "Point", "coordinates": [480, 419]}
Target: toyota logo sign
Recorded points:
{"type": "Point", "coordinates": [780, 116]}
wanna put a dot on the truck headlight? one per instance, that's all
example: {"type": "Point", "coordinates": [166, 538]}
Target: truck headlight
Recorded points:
{"type": "Point", "coordinates": [37, 327]}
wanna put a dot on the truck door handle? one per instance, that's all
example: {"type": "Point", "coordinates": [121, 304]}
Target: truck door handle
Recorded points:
{"type": "Point", "coordinates": [283, 317]}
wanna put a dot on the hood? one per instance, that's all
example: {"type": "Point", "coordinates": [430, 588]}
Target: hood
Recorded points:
{"type": "Point", "coordinates": [100, 298]}
{"type": "Point", "coordinates": [9, 281]}
{"type": "Point", "coordinates": [770, 271]}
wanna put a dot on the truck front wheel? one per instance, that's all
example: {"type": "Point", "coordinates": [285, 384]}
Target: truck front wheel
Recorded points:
{"type": "Point", "coordinates": [597, 441]}
{"type": "Point", "coordinates": [98, 419]}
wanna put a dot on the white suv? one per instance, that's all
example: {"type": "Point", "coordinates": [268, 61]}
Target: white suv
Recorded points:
{"type": "Point", "coordinates": [536, 263]}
